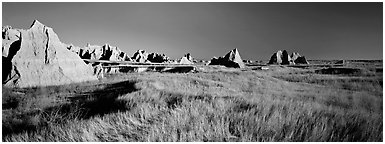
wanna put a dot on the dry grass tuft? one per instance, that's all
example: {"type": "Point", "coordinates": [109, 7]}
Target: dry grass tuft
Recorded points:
{"type": "Point", "coordinates": [283, 104]}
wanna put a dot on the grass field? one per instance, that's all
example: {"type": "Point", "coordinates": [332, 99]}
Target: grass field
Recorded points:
{"type": "Point", "coordinates": [214, 104]}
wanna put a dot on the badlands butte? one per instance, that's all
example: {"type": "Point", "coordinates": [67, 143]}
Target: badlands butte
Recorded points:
{"type": "Point", "coordinates": [37, 57]}
{"type": "Point", "coordinates": [54, 91]}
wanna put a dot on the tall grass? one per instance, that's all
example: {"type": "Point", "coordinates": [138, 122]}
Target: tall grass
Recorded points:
{"type": "Point", "coordinates": [221, 106]}
{"type": "Point", "coordinates": [371, 83]}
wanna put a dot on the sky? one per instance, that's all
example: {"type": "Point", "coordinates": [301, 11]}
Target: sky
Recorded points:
{"type": "Point", "coordinates": [315, 30]}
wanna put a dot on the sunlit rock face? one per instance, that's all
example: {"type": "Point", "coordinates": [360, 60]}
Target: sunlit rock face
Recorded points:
{"type": "Point", "coordinates": [283, 58]}
{"type": "Point", "coordinates": [140, 56]}
{"type": "Point", "coordinates": [36, 57]}
{"type": "Point", "coordinates": [186, 59]}
{"type": "Point", "coordinates": [231, 59]}
{"type": "Point", "coordinates": [95, 52]}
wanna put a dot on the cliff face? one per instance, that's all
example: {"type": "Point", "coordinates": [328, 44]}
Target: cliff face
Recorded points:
{"type": "Point", "coordinates": [36, 57]}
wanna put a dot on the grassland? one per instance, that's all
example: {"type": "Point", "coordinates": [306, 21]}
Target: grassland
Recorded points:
{"type": "Point", "coordinates": [214, 104]}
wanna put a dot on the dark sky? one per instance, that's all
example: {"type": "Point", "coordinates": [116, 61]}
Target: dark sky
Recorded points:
{"type": "Point", "coordinates": [316, 30]}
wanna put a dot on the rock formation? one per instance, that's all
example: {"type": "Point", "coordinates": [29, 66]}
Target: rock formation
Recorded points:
{"type": "Point", "coordinates": [295, 55]}
{"type": "Point", "coordinates": [286, 59]}
{"type": "Point", "coordinates": [105, 52]}
{"type": "Point", "coordinates": [189, 57]}
{"type": "Point", "coordinates": [276, 58]}
{"type": "Point", "coordinates": [298, 59]}
{"type": "Point", "coordinates": [231, 59]}
{"type": "Point", "coordinates": [283, 58]}
{"type": "Point", "coordinates": [157, 58]}
{"type": "Point", "coordinates": [9, 37]}
{"type": "Point", "coordinates": [143, 57]}
{"type": "Point", "coordinates": [36, 57]}
{"type": "Point", "coordinates": [140, 56]}
{"type": "Point", "coordinates": [301, 60]}
{"type": "Point", "coordinates": [98, 70]}
{"type": "Point", "coordinates": [186, 59]}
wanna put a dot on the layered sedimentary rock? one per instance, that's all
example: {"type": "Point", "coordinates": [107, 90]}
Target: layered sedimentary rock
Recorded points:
{"type": "Point", "coordinates": [140, 56]}
{"type": "Point", "coordinates": [231, 59]}
{"type": "Point", "coordinates": [283, 58]}
{"type": "Point", "coordinates": [276, 58]}
{"type": "Point", "coordinates": [36, 57]}
{"type": "Point", "coordinates": [157, 58]}
{"type": "Point", "coordinates": [144, 57]}
{"type": "Point", "coordinates": [105, 52]}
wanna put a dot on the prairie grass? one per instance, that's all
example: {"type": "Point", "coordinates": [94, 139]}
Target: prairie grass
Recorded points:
{"type": "Point", "coordinates": [284, 104]}
{"type": "Point", "coordinates": [371, 83]}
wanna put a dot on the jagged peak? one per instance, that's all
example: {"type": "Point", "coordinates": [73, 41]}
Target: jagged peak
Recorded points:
{"type": "Point", "coordinates": [37, 23]}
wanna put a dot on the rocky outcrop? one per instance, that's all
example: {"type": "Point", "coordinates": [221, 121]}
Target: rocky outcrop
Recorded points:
{"type": "Point", "coordinates": [98, 71]}
{"type": "Point", "coordinates": [36, 57]}
{"type": "Point", "coordinates": [11, 44]}
{"type": "Point", "coordinates": [140, 56]}
{"type": "Point", "coordinates": [276, 58]}
{"type": "Point", "coordinates": [298, 59]}
{"type": "Point", "coordinates": [301, 60]}
{"type": "Point", "coordinates": [105, 52]}
{"type": "Point", "coordinates": [295, 55]}
{"type": "Point", "coordinates": [231, 59]}
{"type": "Point", "coordinates": [186, 59]}
{"type": "Point", "coordinates": [286, 59]}
{"type": "Point", "coordinates": [143, 57]}
{"type": "Point", "coordinates": [189, 57]}
{"type": "Point", "coordinates": [157, 58]}
{"type": "Point", "coordinates": [10, 36]}
{"type": "Point", "coordinates": [283, 58]}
